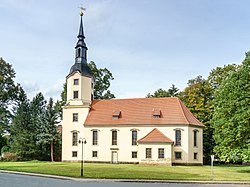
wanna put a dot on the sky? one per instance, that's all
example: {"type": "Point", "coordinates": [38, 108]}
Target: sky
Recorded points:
{"type": "Point", "coordinates": [146, 44]}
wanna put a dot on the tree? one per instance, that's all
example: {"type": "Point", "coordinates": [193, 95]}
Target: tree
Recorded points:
{"type": "Point", "coordinates": [159, 93]}
{"type": "Point", "coordinates": [48, 133]}
{"type": "Point", "coordinates": [173, 91]}
{"type": "Point", "coordinates": [102, 82]}
{"type": "Point", "coordinates": [231, 119]}
{"type": "Point", "coordinates": [8, 92]}
{"type": "Point", "coordinates": [198, 97]}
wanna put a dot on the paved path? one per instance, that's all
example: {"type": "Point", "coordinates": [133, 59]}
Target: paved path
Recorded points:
{"type": "Point", "coordinates": [11, 179]}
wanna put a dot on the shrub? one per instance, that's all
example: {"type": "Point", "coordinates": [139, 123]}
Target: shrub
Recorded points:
{"type": "Point", "coordinates": [8, 156]}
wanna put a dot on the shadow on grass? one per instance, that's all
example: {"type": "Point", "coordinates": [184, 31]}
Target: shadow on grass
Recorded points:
{"type": "Point", "coordinates": [244, 171]}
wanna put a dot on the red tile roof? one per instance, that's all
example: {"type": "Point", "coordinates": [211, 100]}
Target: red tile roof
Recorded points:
{"type": "Point", "coordinates": [139, 112]}
{"type": "Point", "coordinates": [155, 136]}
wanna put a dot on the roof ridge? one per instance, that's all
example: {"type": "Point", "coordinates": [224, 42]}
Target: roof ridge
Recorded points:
{"type": "Point", "coordinates": [182, 110]}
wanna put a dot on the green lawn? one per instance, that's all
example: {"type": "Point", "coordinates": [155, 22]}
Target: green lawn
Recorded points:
{"type": "Point", "coordinates": [129, 171]}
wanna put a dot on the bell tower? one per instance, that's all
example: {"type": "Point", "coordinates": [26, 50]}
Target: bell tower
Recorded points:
{"type": "Point", "coordinates": [80, 85]}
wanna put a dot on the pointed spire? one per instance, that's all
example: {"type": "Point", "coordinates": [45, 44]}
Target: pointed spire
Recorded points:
{"type": "Point", "coordinates": [81, 33]}
{"type": "Point", "coordinates": [81, 52]}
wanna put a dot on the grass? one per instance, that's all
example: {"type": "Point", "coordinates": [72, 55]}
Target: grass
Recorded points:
{"type": "Point", "coordinates": [129, 171]}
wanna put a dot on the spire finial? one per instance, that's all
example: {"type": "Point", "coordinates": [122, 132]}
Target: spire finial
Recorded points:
{"type": "Point", "coordinates": [82, 10]}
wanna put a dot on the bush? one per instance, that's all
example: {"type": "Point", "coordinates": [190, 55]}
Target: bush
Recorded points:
{"type": "Point", "coordinates": [5, 149]}
{"type": "Point", "coordinates": [8, 156]}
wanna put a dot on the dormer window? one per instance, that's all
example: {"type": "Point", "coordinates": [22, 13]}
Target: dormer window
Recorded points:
{"type": "Point", "coordinates": [116, 114]}
{"type": "Point", "coordinates": [156, 113]}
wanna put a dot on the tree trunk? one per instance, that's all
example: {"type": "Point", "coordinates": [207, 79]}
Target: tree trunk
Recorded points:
{"type": "Point", "coordinates": [52, 151]}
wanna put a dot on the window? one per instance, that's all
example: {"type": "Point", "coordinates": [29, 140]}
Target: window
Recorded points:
{"type": "Point", "coordinates": [148, 153]}
{"type": "Point", "coordinates": [95, 138]}
{"type": "Point", "coordinates": [94, 154]}
{"type": "Point", "coordinates": [116, 114]}
{"type": "Point", "coordinates": [74, 138]}
{"type": "Point", "coordinates": [195, 138]}
{"type": "Point", "coordinates": [156, 113]}
{"type": "Point", "coordinates": [161, 153]}
{"type": "Point", "coordinates": [75, 117]}
{"type": "Point", "coordinates": [195, 156]}
{"type": "Point", "coordinates": [134, 154]}
{"type": "Point", "coordinates": [114, 137]}
{"type": "Point", "coordinates": [75, 94]}
{"type": "Point", "coordinates": [177, 155]}
{"type": "Point", "coordinates": [178, 137]}
{"type": "Point", "coordinates": [79, 52]}
{"type": "Point", "coordinates": [76, 81]}
{"type": "Point", "coordinates": [74, 153]}
{"type": "Point", "coordinates": [134, 137]}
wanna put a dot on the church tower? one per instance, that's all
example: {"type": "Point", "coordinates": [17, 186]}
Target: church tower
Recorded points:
{"type": "Point", "coordinates": [80, 83]}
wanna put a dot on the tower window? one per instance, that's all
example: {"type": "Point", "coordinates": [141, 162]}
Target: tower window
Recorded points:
{"type": "Point", "coordinates": [75, 94]}
{"type": "Point", "coordinates": [74, 138]}
{"type": "Point", "coordinates": [75, 117]}
{"type": "Point", "coordinates": [78, 52]}
{"type": "Point", "coordinates": [76, 81]}
{"type": "Point", "coordinates": [195, 138]}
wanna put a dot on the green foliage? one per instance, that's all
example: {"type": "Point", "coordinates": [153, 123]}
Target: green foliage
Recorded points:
{"type": "Point", "coordinates": [48, 134]}
{"type": "Point", "coordinates": [198, 97]}
{"type": "Point", "coordinates": [102, 82]}
{"type": "Point", "coordinates": [8, 94]}
{"type": "Point", "coordinates": [172, 92]}
{"type": "Point", "coordinates": [5, 149]}
{"type": "Point", "coordinates": [231, 119]}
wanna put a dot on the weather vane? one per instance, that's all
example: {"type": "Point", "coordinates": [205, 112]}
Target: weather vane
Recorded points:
{"type": "Point", "coordinates": [82, 10]}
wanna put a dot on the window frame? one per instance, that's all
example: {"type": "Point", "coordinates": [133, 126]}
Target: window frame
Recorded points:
{"type": "Point", "coordinates": [74, 154]}
{"type": "Point", "coordinates": [94, 137]}
{"type": "Point", "coordinates": [148, 153]}
{"type": "Point", "coordinates": [94, 154]}
{"type": "Point", "coordinates": [114, 137]}
{"type": "Point", "coordinates": [134, 154]}
{"type": "Point", "coordinates": [195, 138]}
{"type": "Point", "coordinates": [76, 82]}
{"type": "Point", "coordinates": [74, 138]}
{"type": "Point", "coordinates": [178, 138]}
{"type": "Point", "coordinates": [134, 137]}
{"type": "Point", "coordinates": [75, 94]}
{"type": "Point", "coordinates": [161, 155]}
{"type": "Point", "coordinates": [176, 153]}
{"type": "Point", "coordinates": [75, 117]}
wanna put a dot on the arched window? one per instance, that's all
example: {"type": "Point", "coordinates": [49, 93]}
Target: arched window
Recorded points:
{"type": "Point", "coordinates": [178, 137]}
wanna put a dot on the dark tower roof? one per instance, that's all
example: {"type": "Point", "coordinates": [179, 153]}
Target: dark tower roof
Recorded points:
{"type": "Point", "coordinates": [81, 54]}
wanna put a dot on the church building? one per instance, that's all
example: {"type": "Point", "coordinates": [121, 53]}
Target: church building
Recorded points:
{"type": "Point", "coordinates": [143, 130]}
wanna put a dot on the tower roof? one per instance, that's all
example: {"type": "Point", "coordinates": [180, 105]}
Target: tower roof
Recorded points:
{"type": "Point", "coordinates": [81, 54]}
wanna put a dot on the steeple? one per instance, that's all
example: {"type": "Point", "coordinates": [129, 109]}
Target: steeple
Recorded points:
{"type": "Point", "coordinates": [81, 54]}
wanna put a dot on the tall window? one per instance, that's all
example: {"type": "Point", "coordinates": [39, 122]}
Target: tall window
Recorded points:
{"type": "Point", "coordinates": [134, 137]}
{"type": "Point", "coordinates": [75, 94]}
{"type": "Point", "coordinates": [195, 138]}
{"type": "Point", "coordinates": [79, 52]}
{"type": "Point", "coordinates": [75, 117]}
{"type": "Point", "coordinates": [76, 81]}
{"type": "Point", "coordinates": [178, 137]}
{"type": "Point", "coordinates": [114, 137]}
{"type": "Point", "coordinates": [161, 153]}
{"type": "Point", "coordinates": [74, 138]}
{"type": "Point", "coordinates": [95, 138]}
{"type": "Point", "coordinates": [148, 153]}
